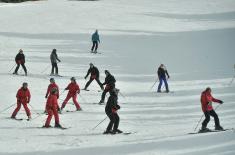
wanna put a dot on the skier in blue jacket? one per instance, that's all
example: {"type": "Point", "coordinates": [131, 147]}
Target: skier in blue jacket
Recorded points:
{"type": "Point", "coordinates": [95, 39]}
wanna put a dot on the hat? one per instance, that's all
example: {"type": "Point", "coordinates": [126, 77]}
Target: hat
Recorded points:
{"type": "Point", "coordinates": [73, 79]}
{"type": "Point", "coordinates": [25, 84]}
{"type": "Point", "coordinates": [52, 80]}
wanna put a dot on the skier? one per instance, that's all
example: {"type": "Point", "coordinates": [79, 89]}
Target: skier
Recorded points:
{"type": "Point", "coordinates": [52, 108]}
{"type": "Point", "coordinates": [23, 97]}
{"type": "Point", "coordinates": [50, 87]}
{"type": "Point", "coordinates": [54, 58]}
{"type": "Point", "coordinates": [162, 72]}
{"type": "Point", "coordinates": [95, 39]}
{"type": "Point", "coordinates": [206, 103]}
{"type": "Point", "coordinates": [20, 60]}
{"type": "Point", "coordinates": [73, 91]}
{"type": "Point", "coordinates": [110, 84]}
{"type": "Point", "coordinates": [94, 75]}
{"type": "Point", "coordinates": [111, 111]}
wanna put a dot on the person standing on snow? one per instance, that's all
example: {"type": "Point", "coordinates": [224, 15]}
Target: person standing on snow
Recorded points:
{"type": "Point", "coordinates": [94, 76]}
{"type": "Point", "coordinates": [95, 39]}
{"type": "Point", "coordinates": [111, 111]}
{"type": "Point", "coordinates": [20, 60]}
{"type": "Point", "coordinates": [162, 72]}
{"type": "Point", "coordinates": [54, 58]}
{"type": "Point", "coordinates": [52, 108]}
{"type": "Point", "coordinates": [110, 85]}
{"type": "Point", "coordinates": [50, 87]}
{"type": "Point", "coordinates": [206, 104]}
{"type": "Point", "coordinates": [23, 97]}
{"type": "Point", "coordinates": [73, 91]}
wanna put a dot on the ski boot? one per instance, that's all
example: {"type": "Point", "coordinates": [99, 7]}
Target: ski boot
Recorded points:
{"type": "Point", "coordinates": [219, 128]}
{"type": "Point", "coordinates": [57, 125]}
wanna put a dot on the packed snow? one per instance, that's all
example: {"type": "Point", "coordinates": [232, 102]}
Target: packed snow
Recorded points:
{"type": "Point", "coordinates": [194, 39]}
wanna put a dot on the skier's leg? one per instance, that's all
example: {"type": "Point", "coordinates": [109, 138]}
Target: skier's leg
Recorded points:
{"type": "Point", "coordinates": [92, 48]}
{"type": "Point", "coordinates": [48, 121]}
{"type": "Point", "coordinates": [166, 84]}
{"type": "Point", "coordinates": [25, 70]}
{"type": "Point", "coordinates": [52, 68]}
{"type": "Point", "coordinates": [16, 110]}
{"type": "Point", "coordinates": [111, 122]}
{"type": "Point", "coordinates": [100, 84]}
{"type": "Point", "coordinates": [206, 121]}
{"type": "Point", "coordinates": [76, 102]}
{"type": "Point", "coordinates": [88, 83]}
{"type": "Point", "coordinates": [96, 46]}
{"type": "Point", "coordinates": [56, 68]}
{"type": "Point", "coordinates": [17, 67]}
{"type": "Point", "coordinates": [103, 96]}
{"type": "Point", "coordinates": [159, 85]}
{"type": "Point", "coordinates": [26, 109]}
{"type": "Point", "coordinates": [65, 101]}
{"type": "Point", "coordinates": [56, 115]}
{"type": "Point", "coordinates": [116, 123]}
{"type": "Point", "coordinates": [216, 118]}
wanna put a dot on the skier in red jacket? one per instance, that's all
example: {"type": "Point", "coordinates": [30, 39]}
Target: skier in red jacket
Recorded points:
{"type": "Point", "coordinates": [52, 109]}
{"type": "Point", "coordinates": [73, 91]}
{"type": "Point", "coordinates": [50, 87]}
{"type": "Point", "coordinates": [206, 104]}
{"type": "Point", "coordinates": [23, 97]}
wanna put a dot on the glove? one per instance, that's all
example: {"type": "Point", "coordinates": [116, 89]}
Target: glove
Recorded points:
{"type": "Point", "coordinates": [221, 102]}
{"type": "Point", "coordinates": [168, 77]}
{"type": "Point", "coordinates": [85, 77]}
{"type": "Point", "coordinates": [59, 60]}
{"type": "Point", "coordinates": [46, 96]}
{"type": "Point", "coordinates": [118, 106]}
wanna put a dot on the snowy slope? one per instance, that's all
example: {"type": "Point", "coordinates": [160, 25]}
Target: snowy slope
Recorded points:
{"type": "Point", "coordinates": [195, 39]}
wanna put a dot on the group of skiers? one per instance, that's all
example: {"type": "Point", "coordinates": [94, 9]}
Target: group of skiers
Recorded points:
{"type": "Point", "coordinates": [52, 107]}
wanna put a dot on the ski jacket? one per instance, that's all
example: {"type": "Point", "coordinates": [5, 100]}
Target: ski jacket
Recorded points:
{"type": "Point", "coordinates": [50, 87]}
{"type": "Point", "coordinates": [20, 58]}
{"type": "Point", "coordinates": [162, 72]}
{"type": "Point", "coordinates": [206, 101]}
{"type": "Point", "coordinates": [23, 95]}
{"type": "Point", "coordinates": [95, 37]}
{"type": "Point", "coordinates": [94, 72]}
{"type": "Point", "coordinates": [52, 101]}
{"type": "Point", "coordinates": [109, 80]}
{"type": "Point", "coordinates": [73, 89]}
{"type": "Point", "coordinates": [112, 104]}
{"type": "Point", "coordinates": [54, 57]}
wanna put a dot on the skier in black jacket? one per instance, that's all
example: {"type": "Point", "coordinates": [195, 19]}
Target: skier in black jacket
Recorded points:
{"type": "Point", "coordinates": [54, 58]}
{"type": "Point", "coordinates": [110, 85]}
{"type": "Point", "coordinates": [111, 111]}
{"type": "Point", "coordinates": [20, 60]}
{"type": "Point", "coordinates": [94, 75]}
{"type": "Point", "coordinates": [162, 72]}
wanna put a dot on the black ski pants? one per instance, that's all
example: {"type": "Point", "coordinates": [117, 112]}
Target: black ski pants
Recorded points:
{"type": "Point", "coordinates": [97, 80]}
{"type": "Point", "coordinates": [207, 118]}
{"type": "Point", "coordinates": [18, 66]}
{"type": "Point", "coordinates": [54, 67]}
{"type": "Point", "coordinates": [95, 45]}
{"type": "Point", "coordinates": [114, 121]}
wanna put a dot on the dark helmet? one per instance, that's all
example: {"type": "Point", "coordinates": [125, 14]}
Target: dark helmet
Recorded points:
{"type": "Point", "coordinates": [208, 89]}
{"type": "Point", "coordinates": [21, 50]}
{"type": "Point", "coordinates": [73, 79]}
{"type": "Point", "coordinates": [52, 80]}
{"type": "Point", "coordinates": [54, 50]}
{"type": "Point", "coordinates": [91, 64]}
{"type": "Point", "coordinates": [25, 84]}
{"type": "Point", "coordinates": [54, 90]}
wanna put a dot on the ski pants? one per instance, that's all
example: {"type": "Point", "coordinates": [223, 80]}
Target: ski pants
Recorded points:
{"type": "Point", "coordinates": [18, 66]}
{"type": "Point", "coordinates": [95, 45]}
{"type": "Point", "coordinates": [97, 80]}
{"type": "Point", "coordinates": [52, 111]}
{"type": "Point", "coordinates": [207, 118]}
{"type": "Point", "coordinates": [162, 79]}
{"type": "Point", "coordinates": [74, 101]}
{"type": "Point", "coordinates": [114, 121]}
{"type": "Point", "coordinates": [18, 108]}
{"type": "Point", "coordinates": [54, 67]}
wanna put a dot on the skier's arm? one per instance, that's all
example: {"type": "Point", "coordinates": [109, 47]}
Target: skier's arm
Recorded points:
{"type": "Point", "coordinates": [88, 72]}
{"type": "Point", "coordinates": [47, 92]}
{"type": "Point", "coordinates": [167, 74]}
{"type": "Point", "coordinates": [57, 57]}
{"type": "Point", "coordinates": [29, 97]}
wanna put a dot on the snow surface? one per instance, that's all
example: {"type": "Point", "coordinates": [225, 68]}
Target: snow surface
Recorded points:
{"type": "Point", "coordinates": [195, 39]}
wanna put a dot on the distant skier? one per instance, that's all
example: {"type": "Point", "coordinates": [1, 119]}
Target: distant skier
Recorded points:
{"type": "Point", "coordinates": [94, 76]}
{"type": "Point", "coordinates": [110, 85]}
{"type": "Point", "coordinates": [95, 39]}
{"type": "Point", "coordinates": [206, 103]}
{"type": "Point", "coordinates": [162, 72]}
{"type": "Point", "coordinates": [20, 60]}
{"type": "Point", "coordinates": [54, 58]}
{"type": "Point", "coordinates": [73, 91]}
{"type": "Point", "coordinates": [23, 97]}
{"type": "Point", "coordinates": [111, 111]}
{"type": "Point", "coordinates": [52, 108]}
{"type": "Point", "coordinates": [50, 87]}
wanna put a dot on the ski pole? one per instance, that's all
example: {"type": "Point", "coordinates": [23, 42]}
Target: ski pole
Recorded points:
{"type": "Point", "coordinates": [122, 94]}
{"type": "Point", "coordinates": [34, 110]}
{"type": "Point", "coordinates": [45, 69]}
{"type": "Point", "coordinates": [100, 122]}
{"type": "Point", "coordinates": [232, 80]}
{"type": "Point", "coordinates": [7, 108]}
{"type": "Point", "coordinates": [202, 116]}
{"type": "Point", "coordinates": [153, 85]}
{"type": "Point", "coordinates": [12, 68]}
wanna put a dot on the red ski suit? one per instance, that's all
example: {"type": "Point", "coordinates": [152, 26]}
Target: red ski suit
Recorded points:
{"type": "Point", "coordinates": [23, 97]}
{"type": "Point", "coordinates": [73, 91]}
{"type": "Point", "coordinates": [50, 87]}
{"type": "Point", "coordinates": [52, 109]}
{"type": "Point", "coordinates": [206, 100]}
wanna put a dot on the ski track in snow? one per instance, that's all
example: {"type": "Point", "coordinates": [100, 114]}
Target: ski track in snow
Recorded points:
{"type": "Point", "coordinates": [195, 39]}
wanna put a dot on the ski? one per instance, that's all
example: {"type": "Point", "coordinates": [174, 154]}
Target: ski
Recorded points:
{"type": "Point", "coordinates": [73, 110]}
{"type": "Point", "coordinates": [164, 92]}
{"type": "Point", "coordinates": [209, 131]}
{"type": "Point", "coordinates": [62, 128]}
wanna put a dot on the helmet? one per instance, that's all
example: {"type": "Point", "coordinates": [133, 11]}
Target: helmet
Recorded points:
{"type": "Point", "coordinates": [25, 84]}
{"type": "Point", "coordinates": [54, 50]}
{"type": "Point", "coordinates": [91, 64]}
{"type": "Point", "coordinates": [20, 50]}
{"type": "Point", "coordinates": [52, 80]}
{"type": "Point", "coordinates": [73, 79]}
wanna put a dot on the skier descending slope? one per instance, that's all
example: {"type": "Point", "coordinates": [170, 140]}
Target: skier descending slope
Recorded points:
{"type": "Point", "coordinates": [54, 58]}
{"type": "Point", "coordinates": [206, 104]}
{"type": "Point", "coordinates": [111, 111]}
{"type": "Point", "coordinates": [23, 97]}
{"type": "Point", "coordinates": [20, 60]}
{"type": "Point", "coordinates": [52, 108]}
{"type": "Point", "coordinates": [162, 72]}
{"type": "Point", "coordinates": [95, 39]}
{"type": "Point", "coordinates": [110, 85]}
{"type": "Point", "coordinates": [73, 91]}
{"type": "Point", "coordinates": [94, 76]}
